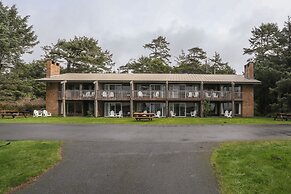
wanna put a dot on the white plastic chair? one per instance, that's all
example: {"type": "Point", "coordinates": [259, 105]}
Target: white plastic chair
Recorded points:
{"type": "Point", "coordinates": [207, 95]}
{"type": "Point", "coordinates": [111, 95]}
{"type": "Point", "coordinates": [193, 113]}
{"type": "Point", "coordinates": [190, 95]}
{"type": "Point", "coordinates": [172, 114]}
{"type": "Point", "coordinates": [112, 114]}
{"type": "Point", "coordinates": [158, 114]}
{"type": "Point", "coordinates": [104, 94]}
{"type": "Point", "coordinates": [226, 113]}
{"type": "Point", "coordinates": [215, 95]}
{"type": "Point", "coordinates": [46, 113]}
{"type": "Point", "coordinates": [37, 113]}
{"type": "Point", "coordinates": [119, 115]}
{"type": "Point", "coordinates": [230, 114]}
{"type": "Point", "coordinates": [139, 94]}
{"type": "Point", "coordinates": [157, 94]}
{"type": "Point", "coordinates": [196, 94]}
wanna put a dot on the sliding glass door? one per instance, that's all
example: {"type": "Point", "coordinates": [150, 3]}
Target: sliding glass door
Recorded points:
{"type": "Point", "coordinates": [179, 109]}
{"type": "Point", "coordinates": [152, 107]}
{"type": "Point", "coordinates": [112, 107]}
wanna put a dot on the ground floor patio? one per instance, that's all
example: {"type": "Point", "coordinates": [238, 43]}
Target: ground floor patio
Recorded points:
{"type": "Point", "coordinates": [161, 108]}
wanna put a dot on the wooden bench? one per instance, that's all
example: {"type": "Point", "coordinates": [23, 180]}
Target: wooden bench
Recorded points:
{"type": "Point", "coordinates": [12, 113]}
{"type": "Point", "coordinates": [143, 116]}
{"type": "Point", "coordinates": [282, 116]}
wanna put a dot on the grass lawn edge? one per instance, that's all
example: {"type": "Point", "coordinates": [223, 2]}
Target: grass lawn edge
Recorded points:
{"type": "Point", "coordinates": [155, 121]}
{"type": "Point", "coordinates": [35, 178]}
{"type": "Point", "coordinates": [224, 187]}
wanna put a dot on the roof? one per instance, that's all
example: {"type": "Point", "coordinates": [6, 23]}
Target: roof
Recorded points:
{"type": "Point", "coordinates": [114, 77]}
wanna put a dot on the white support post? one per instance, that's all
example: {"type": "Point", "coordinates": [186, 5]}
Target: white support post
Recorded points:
{"type": "Point", "coordinates": [201, 99]}
{"type": "Point", "coordinates": [64, 97]}
{"type": "Point", "coordinates": [131, 98]}
{"type": "Point", "coordinates": [232, 98]}
{"type": "Point", "coordinates": [96, 89]}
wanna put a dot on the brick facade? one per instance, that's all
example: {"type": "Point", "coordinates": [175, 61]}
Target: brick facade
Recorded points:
{"type": "Point", "coordinates": [52, 69]}
{"type": "Point", "coordinates": [52, 104]}
{"type": "Point", "coordinates": [248, 101]}
{"type": "Point", "coordinates": [53, 82]}
{"type": "Point", "coordinates": [249, 71]}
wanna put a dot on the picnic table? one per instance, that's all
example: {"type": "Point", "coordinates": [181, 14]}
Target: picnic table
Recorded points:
{"type": "Point", "coordinates": [13, 113]}
{"type": "Point", "coordinates": [282, 116]}
{"type": "Point", "coordinates": [143, 116]}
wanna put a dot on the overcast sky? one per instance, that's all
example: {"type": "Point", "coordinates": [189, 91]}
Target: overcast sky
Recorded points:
{"type": "Point", "coordinates": [124, 26]}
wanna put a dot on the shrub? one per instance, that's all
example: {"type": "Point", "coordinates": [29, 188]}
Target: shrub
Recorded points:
{"type": "Point", "coordinates": [25, 104]}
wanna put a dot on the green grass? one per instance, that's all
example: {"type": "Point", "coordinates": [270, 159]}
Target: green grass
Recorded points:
{"type": "Point", "coordinates": [253, 167]}
{"type": "Point", "coordinates": [158, 121]}
{"type": "Point", "coordinates": [20, 161]}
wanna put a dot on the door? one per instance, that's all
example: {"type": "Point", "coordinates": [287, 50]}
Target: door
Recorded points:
{"type": "Point", "coordinates": [112, 106]}
{"type": "Point", "coordinates": [179, 109]}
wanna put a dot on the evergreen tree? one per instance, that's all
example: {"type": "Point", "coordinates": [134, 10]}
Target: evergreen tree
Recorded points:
{"type": "Point", "coordinates": [159, 48]}
{"type": "Point", "coordinates": [16, 36]}
{"type": "Point", "coordinates": [285, 43]}
{"type": "Point", "coordinates": [81, 55]}
{"type": "Point", "coordinates": [145, 65]}
{"type": "Point", "coordinates": [219, 67]}
{"type": "Point", "coordinates": [157, 61]}
{"type": "Point", "coordinates": [21, 82]}
{"type": "Point", "coordinates": [192, 62]}
{"type": "Point", "coordinates": [270, 48]}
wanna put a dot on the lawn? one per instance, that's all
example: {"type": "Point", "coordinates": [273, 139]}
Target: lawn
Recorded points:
{"type": "Point", "coordinates": [20, 161]}
{"type": "Point", "coordinates": [253, 167]}
{"type": "Point", "coordinates": [158, 121]}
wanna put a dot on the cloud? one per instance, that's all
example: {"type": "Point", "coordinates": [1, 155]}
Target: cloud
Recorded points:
{"type": "Point", "coordinates": [123, 27]}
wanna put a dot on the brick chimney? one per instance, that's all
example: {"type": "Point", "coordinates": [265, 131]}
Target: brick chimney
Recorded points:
{"type": "Point", "coordinates": [53, 68]}
{"type": "Point", "coordinates": [249, 70]}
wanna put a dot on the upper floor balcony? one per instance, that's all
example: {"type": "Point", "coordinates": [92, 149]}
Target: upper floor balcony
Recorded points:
{"type": "Point", "coordinates": [221, 95]}
{"type": "Point", "coordinates": [114, 94]}
{"type": "Point", "coordinates": [78, 95]}
{"type": "Point", "coordinates": [184, 95]}
{"type": "Point", "coordinates": [151, 95]}
{"type": "Point", "coordinates": [90, 95]}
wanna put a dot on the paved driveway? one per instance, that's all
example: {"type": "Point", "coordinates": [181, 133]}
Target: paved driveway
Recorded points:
{"type": "Point", "coordinates": [135, 159]}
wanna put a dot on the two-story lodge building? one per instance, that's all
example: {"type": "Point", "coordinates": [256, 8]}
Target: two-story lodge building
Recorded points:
{"type": "Point", "coordinates": [99, 94]}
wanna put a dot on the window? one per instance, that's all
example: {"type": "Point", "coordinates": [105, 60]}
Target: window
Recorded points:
{"type": "Point", "coordinates": [225, 106]}
{"type": "Point", "coordinates": [72, 86]}
{"type": "Point", "coordinates": [237, 108]}
{"type": "Point", "coordinates": [153, 107]}
{"type": "Point", "coordinates": [213, 108]}
{"type": "Point", "coordinates": [179, 109]}
{"type": "Point", "coordinates": [88, 86]}
{"type": "Point", "coordinates": [74, 108]}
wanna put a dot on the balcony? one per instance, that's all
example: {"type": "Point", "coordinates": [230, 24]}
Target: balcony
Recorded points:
{"type": "Point", "coordinates": [78, 95]}
{"type": "Point", "coordinates": [149, 95]}
{"type": "Point", "coordinates": [222, 95]}
{"type": "Point", "coordinates": [90, 95]}
{"type": "Point", "coordinates": [184, 95]}
{"type": "Point", "coordinates": [114, 95]}
{"type": "Point", "coordinates": [207, 95]}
